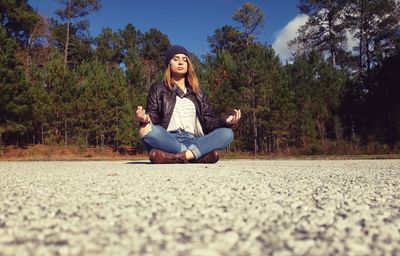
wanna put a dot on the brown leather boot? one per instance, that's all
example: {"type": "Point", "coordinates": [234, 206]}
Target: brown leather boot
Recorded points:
{"type": "Point", "coordinates": [157, 156]}
{"type": "Point", "coordinates": [209, 158]}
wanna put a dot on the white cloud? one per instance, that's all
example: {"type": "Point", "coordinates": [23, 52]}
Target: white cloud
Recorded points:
{"type": "Point", "coordinates": [283, 36]}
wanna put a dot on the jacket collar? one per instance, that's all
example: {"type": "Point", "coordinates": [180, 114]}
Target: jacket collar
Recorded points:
{"type": "Point", "coordinates": [180, 92]}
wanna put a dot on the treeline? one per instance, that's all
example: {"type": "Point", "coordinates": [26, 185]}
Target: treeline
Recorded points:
{"type": "Point", "coordinates": [59, 85]}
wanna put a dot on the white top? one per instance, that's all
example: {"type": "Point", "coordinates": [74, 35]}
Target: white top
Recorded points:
{"type": "Point", "coordinates": [184, 116]}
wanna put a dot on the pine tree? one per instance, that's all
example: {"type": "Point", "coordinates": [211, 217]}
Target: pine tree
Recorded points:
{"type": "Point", "coordinates": [268, 98]}
{"type": "Point", "coordinates": [106, 115]}
{"type": "Point", "coordinates": [133, 65]}
{"type": "Point", "coordinates": [108, 46]}
{"type": "Point", "coordinates": [376, 26]}
{"type": "Point", "coordinates": [325, 29]}
{"type": "Point", "coordinates": [18, 18]}
{"type": "Point", "coordinates": [71, 11]}
{"type": "Point", "coordinates": [59, 87]}
{"type": "Point", "coordinates": [229, 39]}
{"type": "Point", "coordinates": [251, 18]}
{"type": "Point", "coordinates": [317, 88]}
{"type": "Point", "coordinates": [15, 102]}
{"type": "Point", "coordinates": [154, 44]}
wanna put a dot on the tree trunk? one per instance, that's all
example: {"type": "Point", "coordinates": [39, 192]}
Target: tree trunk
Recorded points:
{"type": "Point", "coordinates": [65, 133]}
{"type": "Point", "coordinates": [331, 35]}
{"type": "Point", "coordinates": [321, 129]}
{"type": "Point", "coordinates": [361, 24]}
{"type": "Point", "coordinates": [56, 130]}
{"type": "Point", "coordinates": [253, 90]}
{"type": "Point", "coordinates": [368, 58]}
{"type": "Point", "coordinates": [255, 132]}
{"type": "Point", "coordinates": [276, 143]}
{"type": "Point", "coordinates": [101, 135]}
{"type": "Point", "coordinates": [117, 132]}
{"type": "Point", "coordinates": [42, 134]}
{"type": "Point", "coordinates": [66, 46]}
{"type": "Point", "coordinates": [360, 52]}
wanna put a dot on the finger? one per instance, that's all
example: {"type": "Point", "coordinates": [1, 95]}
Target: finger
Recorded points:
{"type": "Point", "coordinates": [236, 117]}
{"type": "Point", "coordinates": [141, 112]}
{"type": "Point", "coordinates": [235, 120]}
{"type": "Point", "coordinates": [240, 114]}
{"type": "Point", "coordinates": [236, 113]}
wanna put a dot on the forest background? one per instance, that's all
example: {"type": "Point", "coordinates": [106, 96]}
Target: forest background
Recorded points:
{"type": "Point", "coordinates": [61, 87]}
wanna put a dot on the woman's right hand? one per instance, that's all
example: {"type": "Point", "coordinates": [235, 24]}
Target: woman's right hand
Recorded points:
{"type": "Point", "coordinates": [141, 115]}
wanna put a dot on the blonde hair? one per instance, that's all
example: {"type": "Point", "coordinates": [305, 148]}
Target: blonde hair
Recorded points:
{"type": "Point", "coordinates": [190, 77]}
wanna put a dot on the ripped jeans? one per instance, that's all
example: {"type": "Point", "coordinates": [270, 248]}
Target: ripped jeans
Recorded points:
{"type": "Point", "coordinates": [179, 141]}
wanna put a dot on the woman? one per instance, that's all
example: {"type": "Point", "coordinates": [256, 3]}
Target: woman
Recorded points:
{"type": "Point", "coordinates": [178, 125]}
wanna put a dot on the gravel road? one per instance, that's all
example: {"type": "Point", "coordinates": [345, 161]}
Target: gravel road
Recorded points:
{"type": "Point", "coordinates": [235, 207]}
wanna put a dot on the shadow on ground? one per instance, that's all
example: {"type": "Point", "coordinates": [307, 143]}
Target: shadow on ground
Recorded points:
{"type": "Point", "coordinates": [138, 162]}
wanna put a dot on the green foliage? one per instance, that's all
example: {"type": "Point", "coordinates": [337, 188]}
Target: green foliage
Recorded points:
{"type": "Point", "coordinates": [15, 102]}
{"type": "Point", "coordinates": [69, 88]}
{"type": "Point", "coordinates": [73, 9]}
{"type": "Point", "coordinates": [130, 40]}
{"type": "Point", "coordinates": [376, 25]}
{"type": "Point", "coordinates": [75, 28]}
{"type": "Point", "coordinates": [154, 44]}
{"type": "Point", "coordinates": [108, 46]}
{"type": "Point", "coordinates": [41, 107]}
{"type": "Point", "coordinates": [105, 111]}
{"type": "Point", "coordinates": [227, 38]}
{"type": "Point", "coordinates": [324, 30]}
{"type": "Point", "coordinates": [252, 19]}
{"type": "Point", "coordinates": [318, 88]}
{"type": "Point", "coordinates": [219, 82]}
{"type": "Point", "coordinates": [79, 49]}
{"type": "Point", "coordinates": [380, 105]}
{"type": "Point", "coordinates": [18, 18]}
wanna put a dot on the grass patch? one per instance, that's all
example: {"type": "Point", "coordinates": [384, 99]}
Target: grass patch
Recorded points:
{"type": "Point", "coordinates": [56, 152]}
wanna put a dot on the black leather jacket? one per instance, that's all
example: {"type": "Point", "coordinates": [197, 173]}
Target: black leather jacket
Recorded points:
{"type": "Point", "coordinates": [161, 102]}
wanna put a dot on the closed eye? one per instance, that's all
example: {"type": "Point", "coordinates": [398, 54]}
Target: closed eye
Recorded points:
{"type": "Point", "coordinates": [184, 59]}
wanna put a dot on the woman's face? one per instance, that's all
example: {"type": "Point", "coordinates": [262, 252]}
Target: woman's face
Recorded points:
{"type": "Point", "coordinates": [179, 64]}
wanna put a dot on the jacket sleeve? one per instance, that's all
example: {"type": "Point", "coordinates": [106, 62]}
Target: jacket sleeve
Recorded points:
{"type": "Point", "coordinates": [152, 104]}
{"type": "Point", "coordinates": [211, 121]}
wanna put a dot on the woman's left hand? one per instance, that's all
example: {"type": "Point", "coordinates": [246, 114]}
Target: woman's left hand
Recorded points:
{"type": "Point", "coordinates": [234, 119]}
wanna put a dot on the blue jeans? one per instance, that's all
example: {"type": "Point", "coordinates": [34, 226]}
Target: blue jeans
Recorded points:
{"type": "Point", "coordinates": [180, 141]}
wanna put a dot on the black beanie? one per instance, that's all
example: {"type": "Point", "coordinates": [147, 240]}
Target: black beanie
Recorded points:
{"type": "Point", "coordinates": [172, 51]}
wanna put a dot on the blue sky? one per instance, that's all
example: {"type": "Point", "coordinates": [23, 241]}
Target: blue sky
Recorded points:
{"type": "Point", "coordinates": [188, 23]}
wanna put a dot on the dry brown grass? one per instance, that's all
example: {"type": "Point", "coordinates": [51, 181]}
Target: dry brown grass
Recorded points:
{"type": "Point", "coordinates": [56, 152]}
{"type": "Point", "coordinates": [328, 151]}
